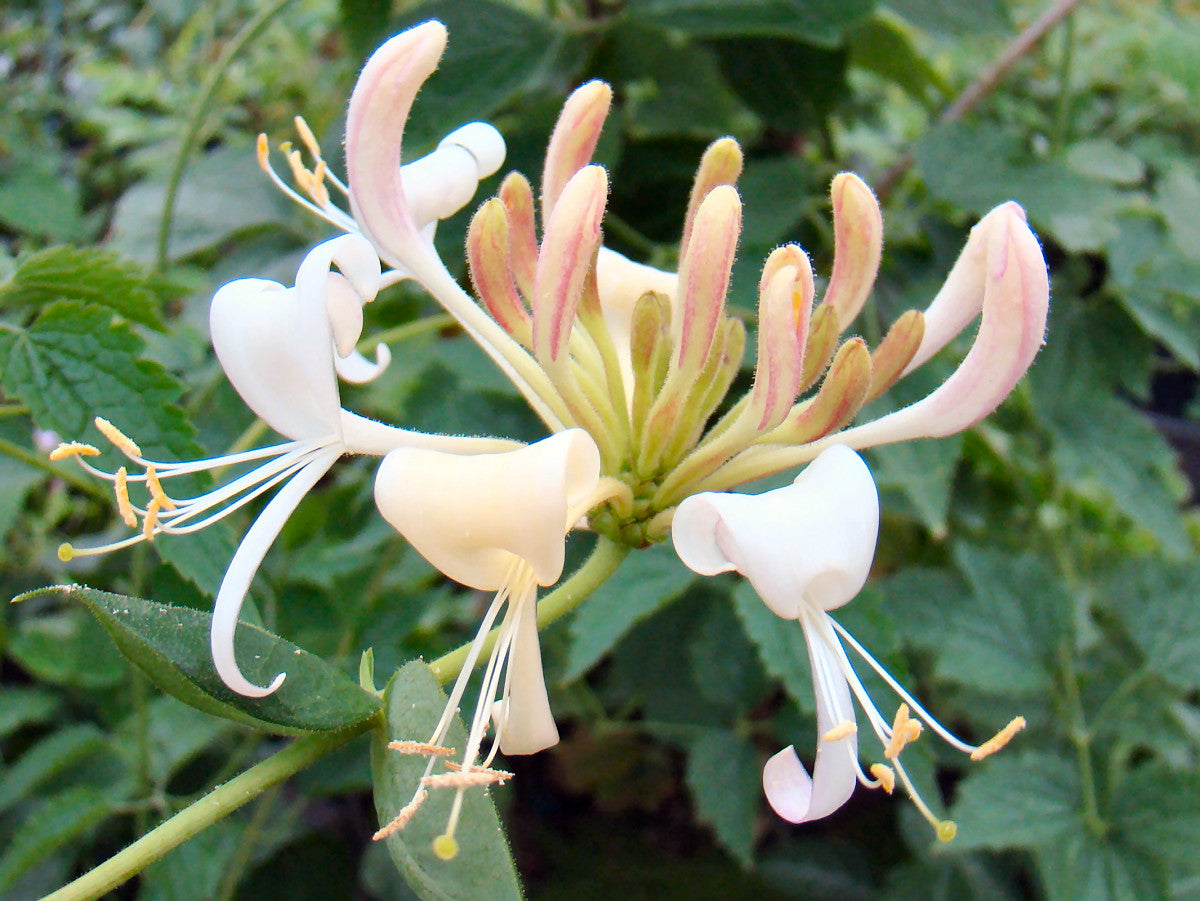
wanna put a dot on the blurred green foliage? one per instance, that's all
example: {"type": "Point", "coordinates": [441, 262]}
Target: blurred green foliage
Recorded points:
{"type": "Point", "coordinates": [1044, 563]}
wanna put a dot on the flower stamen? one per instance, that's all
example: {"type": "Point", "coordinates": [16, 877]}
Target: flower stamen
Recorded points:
{"type": "Point", "coordinates": [423, 748]}
{"type": "Point", "coordinates": [885, 776]}
{"type": "Point", "coordinates": [999, 740]}
{"type": "Point", "coordinates": [401, 819]}
{"type": "Point", "coordinates": [124, 507]}
{"type": "Point", "coordinates": [73, 449]}
{"type": "Point", "coordinates": [119, 439]}
{"type": "Point", "coordinates": [840, 731]}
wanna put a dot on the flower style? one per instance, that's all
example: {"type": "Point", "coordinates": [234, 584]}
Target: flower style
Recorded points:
{"type": "Point", "coordinates": [496, 523]}
{"type": "Point", "coordinates": [282, 349]}
{"type": "Point", "coordinates": [807, 549]}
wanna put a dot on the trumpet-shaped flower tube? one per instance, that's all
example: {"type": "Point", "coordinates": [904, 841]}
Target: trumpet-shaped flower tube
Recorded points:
{"type": "Point", "coordinates": [495, 523]}
{"type": "Point", "coordinates": [282, 349]}
{"type": "Point", "coordinates": [807, 550]}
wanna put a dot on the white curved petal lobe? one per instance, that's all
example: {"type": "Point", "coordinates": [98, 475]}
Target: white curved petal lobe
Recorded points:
{"type": "Point", "coordinates": [811, 542]}
{"type": "Point", "coordinates": [474, 517]}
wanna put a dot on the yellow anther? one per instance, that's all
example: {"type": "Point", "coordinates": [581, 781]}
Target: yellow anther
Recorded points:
{"type": "Point", "coordinates": [263, 150]}
{"type": "Point", "coordinates": [73, 449]}
{"type": "Point", "coordinates": [121, 489]}
{"type": "Point", "coordinates": [306, 136]}
{"type": "Point", "coordinates": [150, 523]}
{"type": "Point", "coordinates": [466, 778]}
{"type": "Point", "coordinates": [946, 830]}
{"type": "Point", "coordinates": [156, 490]}
{"type": "Point", "coordinates": [840, 731]}
{"type": "Point", "coordinates": [999, 740]}
{"type": "Point", "coordinates": [119, 439]}
{"type": "Point", "coordinates": [904, 730]}
{"type": "Point", "coordinates": [445, 847]}
{"type": "Point", "coordinates": [402, 818]}
{"type": "Point", "coordinates": [299, 170]}
{"type": "Point", "coordinates": [65, 552]}
{"type": "Point", "coordinates": [886, 776]}
{"type": "Point", "coordinates": [420, 747]}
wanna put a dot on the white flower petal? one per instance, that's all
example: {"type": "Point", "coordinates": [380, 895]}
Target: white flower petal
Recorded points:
{"type": "Point", "coordinates": [245, 564]}
{"type": "Point", "coordinates": [276, 344]}
{"type": "Point", "coordinates": [811, 542]}
{"type": "Point", "coordinates": [358, 370]}
{"type": "Point", "coordinates": [473, 516]}
{"type": "Point", "coordinates": [792, 793]}
{"type": "Point", "coordinates": [526, 724]}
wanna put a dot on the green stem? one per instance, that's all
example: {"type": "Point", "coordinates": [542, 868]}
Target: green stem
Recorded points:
{"type": "Point", "coordinates": [408, 331]}
{"type": "Point", "coordinates": [195, 120]}
{"type": "Point", "coordinates": [1081, 737]}
{"type": "Point", "coordinates": [1061, 134]}
{"type": "Point", "coordinates": [14, 409]}
{"type": "Point", "coordinates": [218, 803]}
{"type": "Point", "coordinates": [603, 562]}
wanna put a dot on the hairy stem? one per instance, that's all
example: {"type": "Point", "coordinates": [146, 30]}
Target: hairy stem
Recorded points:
{"type": "Point", "coordinates": [218, 803]}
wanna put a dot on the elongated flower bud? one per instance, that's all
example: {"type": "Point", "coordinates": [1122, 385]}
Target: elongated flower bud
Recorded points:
{"type": "Point", "coordinates": [489, 260]}
{"type": "Point", "coordinates": [704, 278]}
{"type": "Point", "coordinates": [570, 242]}
{"type": "Point", "coordinates": [720, 165]}
{"type": "Point", "coordinates": [574, 140]}
{"type": "Point", "coordinates": [858, 245]}
{"type": "Point", "coordinates": [1016, 299]}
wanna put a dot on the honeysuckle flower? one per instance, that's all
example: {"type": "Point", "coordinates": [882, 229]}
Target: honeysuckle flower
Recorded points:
{"type": "Point", "coordinates": [282, 349]}
{"type": "Point", "coordinates": [495, 523]}
{"type": "Point", "coordinates": [807, 549]}
{"type": "Point", "coordinates": [396, 206]}
{"type": "Point", "coordinates": [642, 358]}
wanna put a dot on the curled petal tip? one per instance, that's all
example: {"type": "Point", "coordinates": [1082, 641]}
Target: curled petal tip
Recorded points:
{"type": "Point", "coordinates": [483, 142]}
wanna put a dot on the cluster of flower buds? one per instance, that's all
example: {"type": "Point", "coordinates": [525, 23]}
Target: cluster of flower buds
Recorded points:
{"type": "Point", "coordinates": [644, 359]}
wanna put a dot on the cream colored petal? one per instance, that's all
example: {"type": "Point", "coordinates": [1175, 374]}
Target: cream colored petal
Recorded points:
{"type": "Point", "coordinates": [525, 723]}
{"type": "Point", "coordinates": [810, 543]}
{"type": "Point", "coordinates": [472, 517]}
{"type": "Point", "coordinates": [792, 793]}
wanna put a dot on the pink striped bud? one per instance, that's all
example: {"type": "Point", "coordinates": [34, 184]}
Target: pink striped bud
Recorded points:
{"type": "Point", "coordinates": [574, 140]}
{"type": "Point", "coordinates": [857, 245]}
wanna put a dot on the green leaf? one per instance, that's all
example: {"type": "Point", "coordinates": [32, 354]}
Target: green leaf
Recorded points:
{"type": "Point", "coordinates": [67, 647]}
{"type": "Point", "coordinates": [171, 645]}
{"type": "Point", "coordinates": [1157, 285]}
{"type": "Point", "coordinates": [792, 85]}
{"type": "Point", "coordinates": [645, 583]}
{"type": "Point", "coordinates": [36, 195]}
{"type": "Point", "coordinates": [1157, 812]}
{"type": "Point", "coordinates": [1003, 638]}
{"type": "Point", "coordinates": [1017, 800]}
{"type": "Point", "coordinates": [885, 46]}
{"type": "Point", "coordinates": [484, 866]}
{"type": "Point", "coordinates": [46, 759]}
{"type": "Point", "coordinates": [924, 472]}
{"type": "Point", "coordinates": [224, 194]}
{"type": "Point", "coordinates": [1077, 211]}
{"type": "Point", "coordinates": [819, 21]}
{"type": "Point", "coordinates": [174, 734]}
{"type": "Point", "coordinates": [1080, 865]}
{"type": "Point", "coordinates": [724, 776]}
{"type": "Point", "coordinates": [1102, 447]}
{"type": "Point", "coordinates": [22, 706]}
{"type": "Point", "coordinates": [196, 868]}
{"type": "Point", "coordinates": [75, 363]}
{"type": "Point", "coordinates": [495, 53]}
{"type": "Point", "coordinates": [1157, 600]}
{"type": "Point", "coordinates": [950, 17]}
{"type": "Point", "coordinates": [84, 274]}
{"type": "Point", "coordinates": [670, 88]}
{"type": "Point", "coordinates": [780, 645]}
{"type": "Point", "coordinates": [57, 822]}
